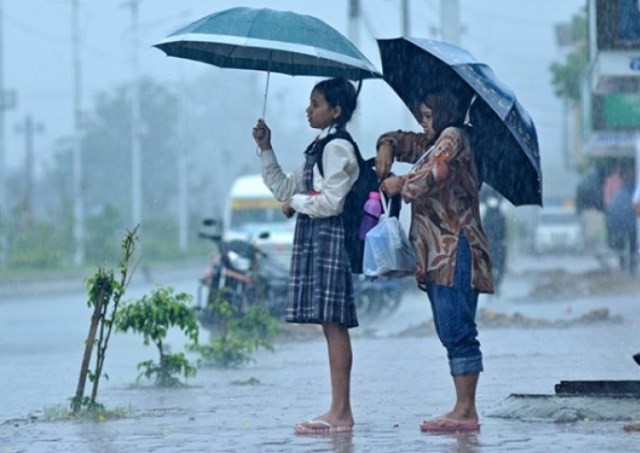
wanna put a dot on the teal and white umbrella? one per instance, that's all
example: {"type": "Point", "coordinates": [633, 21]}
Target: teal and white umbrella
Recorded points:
{"type": "Point", "coordinates": [272, 41]}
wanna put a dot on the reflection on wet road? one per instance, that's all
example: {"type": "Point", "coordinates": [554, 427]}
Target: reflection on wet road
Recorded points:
{"type": "Point", "coordinates": [397, 380]}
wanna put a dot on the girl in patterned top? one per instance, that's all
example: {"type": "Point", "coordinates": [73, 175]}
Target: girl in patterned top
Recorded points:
{"type": "Point", "coordinates": [321, 286]}
{"type": "Point", "coordinates": [446, 231]}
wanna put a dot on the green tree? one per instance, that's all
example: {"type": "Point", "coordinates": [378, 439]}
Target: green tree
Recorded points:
{"type": "Point", "coordinates": [35, 245]}
{"type": "Point", "coordinates": [107, 167]}
{"type": "Point", "coordinates": [239, 335]}
{"type": "Point", "coordinates": [567, 75]}
{"type": "Point", "coordinates": [107, 154]}
{"type": "Point", "coordinates": [105, 294]}
{"type": "Point", "coordinates": [153, 316]}
{"type": "Point", "coordinates": [101, 228]}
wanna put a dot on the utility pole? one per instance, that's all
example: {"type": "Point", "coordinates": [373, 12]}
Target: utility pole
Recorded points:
{"type": "Point", "coordinates": [4, 211]}
{"type": "Point", "coordinates": [406, 27]}
{"type": "Point", "coordinates": [136, 164]}
{"type": "Point", "coordinates": [354, 36]}
{"type": "Point", "coordinates": [354, 22]}
{"type": "Point", "coordinates": [29, 129]}
{"type": "Point", "coordinates": [409, 119]}
{"type": "Point", "coordinates": [7, 102]}
{"type": "Point", "coordinates": [450, 21]}
{"type": "Point", "coordinates": [78, 193]}
{"type": "Point", "coordinates": [183, 186]}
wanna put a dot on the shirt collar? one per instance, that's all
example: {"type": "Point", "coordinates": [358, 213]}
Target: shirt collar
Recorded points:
{"type": "Point", "coordinates": [326, 131]}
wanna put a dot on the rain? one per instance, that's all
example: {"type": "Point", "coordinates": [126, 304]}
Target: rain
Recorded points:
{"type": "Point", "coordinates": [101, 131]}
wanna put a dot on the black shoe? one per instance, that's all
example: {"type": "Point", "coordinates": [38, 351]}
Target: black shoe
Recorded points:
{"type": "Point", "coordinates": [637, 358]}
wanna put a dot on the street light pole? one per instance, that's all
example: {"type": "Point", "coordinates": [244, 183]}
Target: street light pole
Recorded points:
{"type": "Point", "coordinates": [78, 195]}
{"type": "Point", "coordinates": [450, 21]}
{"type": "Point", "coordinates": [183, 184]}
{"type": "Point", "coordinates": [29, 128]}
{"type": "Point", "coordinates": [406, 26]}
{"type": "Point", "coordinates": [4, 220]}
{"type": "Point", "coordinates": [136, 165]}
{"type": "Point", "coordinates": [354, 36]}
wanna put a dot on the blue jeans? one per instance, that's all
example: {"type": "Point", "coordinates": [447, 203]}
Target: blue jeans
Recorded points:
{"type": "Point", "coordinates": [454, 315]}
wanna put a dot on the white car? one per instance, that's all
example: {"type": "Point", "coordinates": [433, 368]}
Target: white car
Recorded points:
{"type": "Point", "coordinates": [558, 230]}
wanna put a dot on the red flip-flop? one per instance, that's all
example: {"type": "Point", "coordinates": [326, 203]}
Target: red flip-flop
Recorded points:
{"type": "Point", "coordinates": [446, 424]}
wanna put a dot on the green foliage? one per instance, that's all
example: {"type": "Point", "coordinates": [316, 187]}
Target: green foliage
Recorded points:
{"type": "Point", "coordinates": [160, 239]}
{"type": "Point", "coordinates": [35, 245]}
{"type": "Point", "coordinates": [567, 75]}
{"type": "Point", "coordinates": [100, 229]}
{"type": "Point", "coordinates": [105, 293]}
{"type": "Point", "coordinates": [152, 316]}
{"type": "Point", "coordinates": [256, 327]}
{"type": "Point", "coordinates": [107, 149]}
{"type": "Point", "coordinates": [106, 176]}
{"type": "Point", "coordinates": [239, 335]}
{"type": "Point", "coordinates": [87, 411]}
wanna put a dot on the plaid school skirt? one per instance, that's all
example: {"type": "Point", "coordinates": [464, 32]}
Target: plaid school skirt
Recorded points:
{"type": "Point", "coordinates": [321, 285]}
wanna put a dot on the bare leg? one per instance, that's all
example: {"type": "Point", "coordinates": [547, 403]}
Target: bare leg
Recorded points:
{"type": "Point", "coordinates": [465, 408]}
{"type": "Point", "coordinates": [340, 361]}
{"type": "Point", "coordinates": [464, 416]}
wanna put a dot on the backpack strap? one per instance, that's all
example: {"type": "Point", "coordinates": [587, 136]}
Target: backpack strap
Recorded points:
{"type": "Point", "coordinates": [320, 144]}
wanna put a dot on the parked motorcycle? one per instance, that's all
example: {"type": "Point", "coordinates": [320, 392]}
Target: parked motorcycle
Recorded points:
{"type": "Point", "coordinates": [242, 274]}
{"type": "Point", "coordinates": [377, 298]}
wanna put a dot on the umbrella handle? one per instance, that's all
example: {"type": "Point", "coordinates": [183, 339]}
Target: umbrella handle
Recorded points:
{"type": "Point", "coordinates": [264, 105]}
{"type": "Point", "coordinates": [359, 87]}
{"type": "Point", "coordinates": [467, 116]}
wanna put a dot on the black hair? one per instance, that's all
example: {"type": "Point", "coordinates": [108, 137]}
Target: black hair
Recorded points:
{"type": "Point", "coordinates": [449, 108]}
{"type": "Point", "coordinates": [339, 92]}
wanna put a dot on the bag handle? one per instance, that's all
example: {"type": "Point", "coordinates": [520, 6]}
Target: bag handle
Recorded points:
{"type": "Point", "coordinates": [385, 206]}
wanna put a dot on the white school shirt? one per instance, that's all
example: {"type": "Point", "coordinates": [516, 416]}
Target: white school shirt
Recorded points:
{"type": "Point", "coordinates": [340, 172]}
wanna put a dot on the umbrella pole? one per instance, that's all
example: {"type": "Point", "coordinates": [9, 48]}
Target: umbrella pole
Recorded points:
{"type": "Point", "coordinates": [266, 93]}
{"type": "Point", "coordinates": [264, 105]}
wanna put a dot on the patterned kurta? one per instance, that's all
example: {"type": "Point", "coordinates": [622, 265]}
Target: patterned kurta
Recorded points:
{"type": "Point", "coordinates": [443, 192]}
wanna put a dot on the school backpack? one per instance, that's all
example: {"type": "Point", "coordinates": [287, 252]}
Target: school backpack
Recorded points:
{"type": "Point", "coordinates": [354, 203]}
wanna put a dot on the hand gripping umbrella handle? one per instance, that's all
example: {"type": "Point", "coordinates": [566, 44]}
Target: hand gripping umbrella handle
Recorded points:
{"type": "Point", "coordinates": [264, 105]}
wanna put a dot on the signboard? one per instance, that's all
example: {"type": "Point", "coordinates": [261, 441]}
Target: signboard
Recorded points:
{"type": "Point", "coordinates": [615, 111]}
{"type": "Point", "coordinates": [614, 44]}
{"type": "Point", "coordinates": [617, 24]}
{"type": "Point", "coordinates": [622, 111]}
{"type": "Point", "coordinates": [610, 144]}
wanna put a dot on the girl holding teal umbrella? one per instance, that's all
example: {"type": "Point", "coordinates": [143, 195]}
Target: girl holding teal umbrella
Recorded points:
{"type": "Point", "coordinates": [321, 285]}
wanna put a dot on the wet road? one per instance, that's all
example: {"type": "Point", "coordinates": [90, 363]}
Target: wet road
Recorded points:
{"type": "Point", "coordinates": [397, 382]}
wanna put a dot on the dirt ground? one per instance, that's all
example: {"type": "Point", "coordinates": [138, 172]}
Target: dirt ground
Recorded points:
{"type": "Point", "coordinates": [554, 284]}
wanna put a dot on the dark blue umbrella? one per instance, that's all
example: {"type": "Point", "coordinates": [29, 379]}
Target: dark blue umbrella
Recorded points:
{"type": "Point", "coordinates": [504, 136]}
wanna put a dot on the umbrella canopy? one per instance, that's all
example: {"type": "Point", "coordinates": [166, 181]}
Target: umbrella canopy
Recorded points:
{"type": "Point", "coordinates": [269, 40]}
{"type": "Point", "coordinates": [505, 139]}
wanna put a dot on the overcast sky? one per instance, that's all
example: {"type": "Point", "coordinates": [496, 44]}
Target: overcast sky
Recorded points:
{"type": "Point", "coordinates": [515, 37]}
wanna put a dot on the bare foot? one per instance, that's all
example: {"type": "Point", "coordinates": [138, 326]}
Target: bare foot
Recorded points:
{"type": "Point", "coordinates": [463, 416]}
{"type": "Point", "coordinates": [326, 421]}
{"type": "Point", "coordinates": [315, 427]}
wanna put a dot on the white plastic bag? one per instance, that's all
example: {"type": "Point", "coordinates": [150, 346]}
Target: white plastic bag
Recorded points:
{"type": "Point", "coordinates": [387, 250]}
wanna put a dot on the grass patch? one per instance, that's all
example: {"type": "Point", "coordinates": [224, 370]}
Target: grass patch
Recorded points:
{"type": "Point", "coordinates": [250, 381]}
{"type": "Point", "coordinates": [95, 413]}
